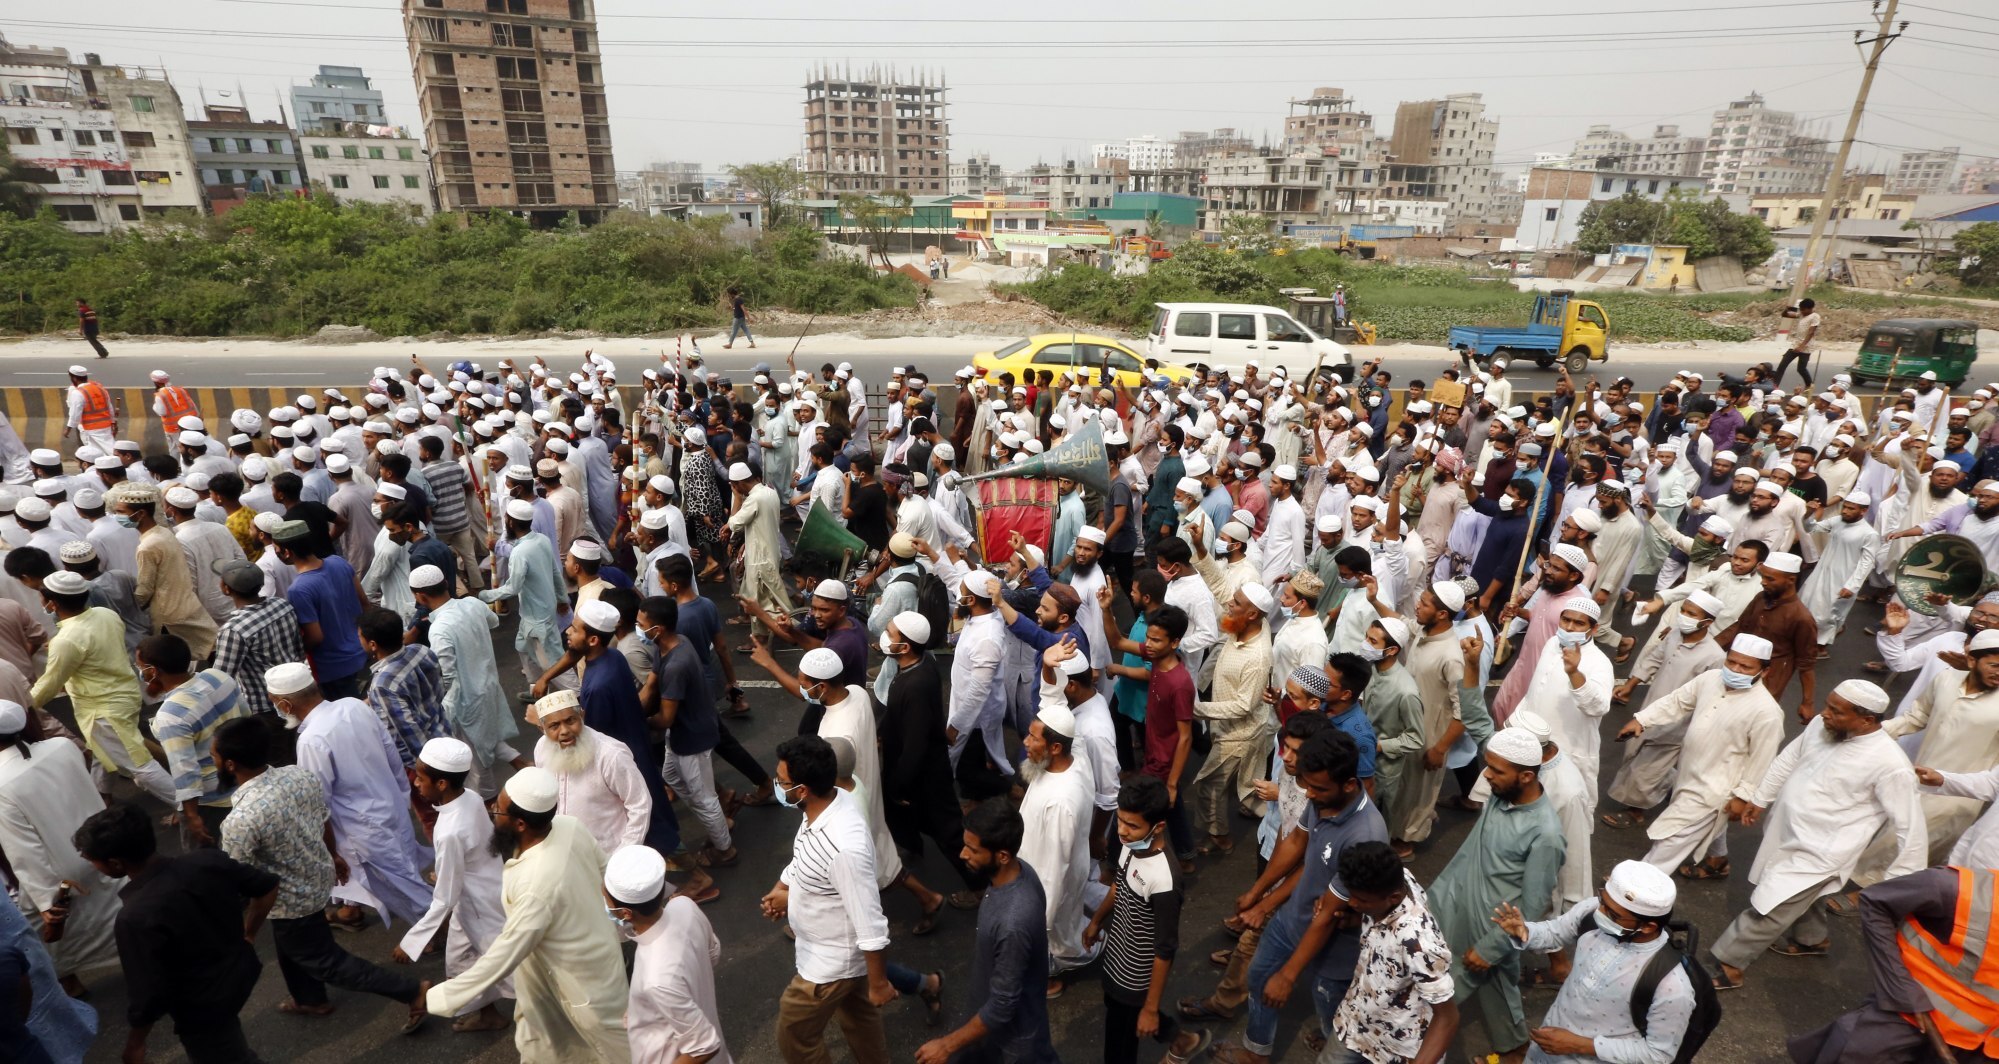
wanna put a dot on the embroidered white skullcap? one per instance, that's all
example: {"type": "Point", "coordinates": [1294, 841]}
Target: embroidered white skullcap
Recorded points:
{"type": "Point", "coordinates": [1584, 605]}
{"type": "Point", "coordinates": [64, 582]}
{"type": "Point", "coordinates": [598, 616]}
{"type": "Point", "coordinates": [1709, 604]}
{"type": "Point", "coordinates": [1588, 520]}
{"type": "Point", "coordinates": [1984, 641]}
{"type": "Point", "coordinates": [1858, 498]}
{"type": "Point", "coordinates": [1259, 596]}
{"type": "Point", "coordinates": [1717, 525]}
{"type": "Point", "coordinates": [1533, 724]}
{"type": "Point", "coordinates": [31, 509]}
{"type": "Point", "coordinates": [1057, 717]}
{"type": "Point", "coordinates": [1449, 594]}
{"type": "Point", "coordinates": [1092, 534]}
{"type": "Point", "coordinates": [1571, 554]}
{"type": "Point", "coordinates": [520, 509]}
{"type": "Point", "coordinates": [267, 522]}
{"type": "Point", "coordinates": [635, 875]}
{"type": "Point", "coordinates": [182, 497]}
{"type": "Point", "coordinates": [1638, 887]}
{"type": "Point", "coordinates": [982, 584]}
{"type": "Point", "coordinates": [832, 590]}
{"type": "Point", "coordinates": [446, 754]}
{"type": "Point", "coordinates": [821, 663]}
{"type": "Point", "coordinates": [533, 789]}
{"type": "Point", "coordinates": [77, 551]}
{"type": "Point", "coordinates": [425, 576]}
{"type": "Point", "coordinates": [1785, 562]}
{"type": "Point", "coordinates": [1516, 746]}
{"type": "Point", "coordinates": [1864, 695]}
{"type": "Point", "coordinates": [288, 679]}
{"type": "Point", "coordinates": [1235, 530]}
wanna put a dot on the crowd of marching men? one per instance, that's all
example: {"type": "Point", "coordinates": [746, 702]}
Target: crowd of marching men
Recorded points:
{"type": "Point", "coordinates": [1321, 606]}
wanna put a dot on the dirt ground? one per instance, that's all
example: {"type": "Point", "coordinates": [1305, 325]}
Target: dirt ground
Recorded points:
{"type": "Point", "coordinates": [1844, 325]}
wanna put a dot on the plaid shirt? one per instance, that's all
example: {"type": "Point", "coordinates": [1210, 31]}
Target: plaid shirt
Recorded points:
{"type": "Point", "coordinates": [253, 639]}
{"type": "Point", "coordinates": [448, 484]}
{"type": "Point", "coordinates": [408, 694]}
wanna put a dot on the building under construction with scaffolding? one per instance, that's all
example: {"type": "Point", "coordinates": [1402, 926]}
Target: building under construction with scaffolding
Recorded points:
{"type": "Point", "coordinates": [876, 133]}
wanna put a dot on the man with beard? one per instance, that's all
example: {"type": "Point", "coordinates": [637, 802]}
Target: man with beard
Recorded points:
{"type": "Point", "coordinates": [1561, 586]}
{"type": "Point", "coordinates": [917, 796]}
{"type": "Point", "coordinates": [534, 580]}
{"type": "Point", "coordinates": [461, 635]}
{"type": "Point", "coordinates": [1835, 786]}
{"type": "Point", "coordinates": [1845, 562]}
{"type": "Point", "coordinates": [1513, 856]}
{"type": "Point", "coordinates": [1240, 723]}
{"type": "Point", "coordinates": [1617, 542]}
{"type": "Point", "coordinates": [1226, 568]}
{"type": "Point", "coordinates": [1088, 576]}
{"type": "Point", "coordinates": [563, 955]}
{"type": "Point", "coordinates": [1687, 650]}
{"type": "Point", "coordinates": [1911, 504]}
{"type": "Point", "coordinates": [45, 795]}
{"type": "Point", "coordinates": [1285, 540]}
{"type": "Point", "coordinates": [597, 779]}
{"type": "Point", "coordinates": [1498, 557]}
{"type": "Point", "coordinates": [1953, 723]}
{"type": "Point", "coordinates": [609, 697]}
{"type": "Point", "coordinates": [1010, 956]}
{"type": "Point", "coordinates": [1731, 505]}
{"type": "Point", "coordinates": [1057, 810]}
{"type": "Point", "coordinates": [1778, 616]}
{"type": "Point", "coordinates": [1976, 519]}
{"type": "Point", "coordinates": [1932, 655]}
{"type": "Point", "coordinates": [1436, 663]}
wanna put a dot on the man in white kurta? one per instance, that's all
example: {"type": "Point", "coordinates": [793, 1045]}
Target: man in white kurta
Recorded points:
{"type": "Point", "coordinates": [1734, 732]}
{"type": "Point", "coordinates": [465, 900]}
{"type": "Point", "coordinates": [1571, 686]}
{"type": "Point", "coordinates": [1958, 716]}
{"type": "Point", "coordinates": [754, 527]}
{"type": "Point", "coordinates": [1056, 812]}
{"type": "Point", "coordinates": [1562, 783]}
{"type": "Point", "coordinates": [344, 743]}
{"type": "Point", "coordinates": [597, 779]}
{"type": "Point", "coordinates": [1833, 788]}
{"type": "Point", "coordinates": [569, 974]}
{"type": "Point", "coordinates": [45, 794]}
{"type": "Point", "coordinates": [850, 715]}
{"type": "Point", "coordinates": [1650, 760]}
{"type": "Point", "coordinates": [672, 1013]}
{"type": "Point", "coordinates": [1845, 562]}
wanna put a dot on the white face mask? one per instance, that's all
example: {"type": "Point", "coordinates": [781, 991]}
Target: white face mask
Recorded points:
{"type": "Point", "coordinates": [1688, 624]}
{"type": "Point", "coordinates": [888, 645]}
{"type": "Point", "coordinates": [1506, 502]}
{"type": "Point", "coordinates": [1571, 639]}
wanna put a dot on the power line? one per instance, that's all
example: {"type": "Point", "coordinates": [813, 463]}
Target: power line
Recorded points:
{"type": "Point", "coordinates": [946, 21]}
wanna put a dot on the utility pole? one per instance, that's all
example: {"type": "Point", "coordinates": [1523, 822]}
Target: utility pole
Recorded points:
{"type": "Point", "coordinates": [1879, 43]}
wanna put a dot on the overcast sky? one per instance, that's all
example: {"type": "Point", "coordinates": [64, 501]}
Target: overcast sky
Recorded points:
{"type": "Point", "coordinates": [1050, 78]}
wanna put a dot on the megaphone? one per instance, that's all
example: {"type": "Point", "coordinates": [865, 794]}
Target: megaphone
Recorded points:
{"type": "Point", "coordinates": [824, 545]}
{"type": "Point", "coordinates": [1080, 458]}
{"type": "Point", "coordinates": [1951, 566]}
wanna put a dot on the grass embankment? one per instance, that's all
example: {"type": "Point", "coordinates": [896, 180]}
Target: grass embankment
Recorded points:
{"type": "Point", "coordinates": [286, 267]}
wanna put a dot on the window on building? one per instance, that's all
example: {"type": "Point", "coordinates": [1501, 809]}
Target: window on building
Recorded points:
{"type": "Point", "coordinates": [128, 212]}
{"type": "Point", "coordinates": [1607, 182]}
{"type": "Point", "coordinates": [339, 180]}
{"type": "Point", "coordinates": [509, 35]}
{"type": "Point", "coordinates": [23, 135]}
{"type": "Point", "coordinates": [375, 153]}
{"type": "Point", "coordinates": [85, 138]}
{"type": "Point", "coordinates": [319, 152]}
{"type": "Point", "coordinates": [142, 104]}
{"type": "Point", "coordinates": [507, 7]}
{"type": "Point", "coordinates": [406, 154]}
{"type": "Point", "coordinates": [118, 177]}
{"type": "Point", "coordinates": [381, 181]}
{"type": "Point", "coordinates": [153, 177]}
{"type": "Point", "coordinates": [243, 144]}
{"type": "Point", "coordinates": [350, 151]}
{"type": "Point", "coordinates": [39, 175]}
{"type": "Point", "coordinates": [410, 181]}
{"type": "Point", "coordinates": [1550, 214]}
{"type": "Point", "coordinates": [56, 135]}
{"type": "Point", "coordinates": [281, 177]}
{"type": "Point", "coordinates": [75, 212]}
{"type": "Point", "coordinates": [361, 110]}
{"type": "Point", "coordinates": [319, 107]}
{"type": "Point", "coordinates": [225, 177]}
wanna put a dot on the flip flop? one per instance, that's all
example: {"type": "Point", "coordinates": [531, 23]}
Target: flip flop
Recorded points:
{"type": "Point", "coordinates": [1207, 1038]}
{"type": "Point", "coordinates": [1722, 982]}
{"type": "Point", "coordinates": [468, 1024]}
{"type": "Point", "coordinates": [933, 1002]}
{"type": "Point", "coordinates": [1193, 1008]}
{"type": "Point", "coordinates": [706, 897]}
{"type": "Point", "coordinates": [1799, 949]}
{"type": "Point", "coordinates": [418, 1014]}
{"type": "Point", "coordinates": [293, 1008]}
{"type": "Point", "coordinates": [1221, 957]}
{"type": "Point", "coordinates": [1842, 905]}
{"type": "Point", "coordinates": [1707, 871]}
{"type": "Point", "coordinates": [927, 922]}
{"type": "Point", "coordinates": [1629, 818]}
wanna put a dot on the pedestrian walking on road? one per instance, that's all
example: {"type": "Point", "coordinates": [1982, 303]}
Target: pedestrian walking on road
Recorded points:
{"type": "Point", "coordinates": [739, 320]}
{"type": "Point", "coordinates": [86, 318]}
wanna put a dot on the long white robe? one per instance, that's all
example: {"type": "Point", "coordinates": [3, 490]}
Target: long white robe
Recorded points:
{"type": "Point", "coordinates": [343, 742]}
{"type": "Point", "coordinates": [461, 633]}
{"type": "Point", "coordinates": [755, 527]}
{"type": "Point", "coordinates": [1960, 733]}
{"type": "Point", "coordinates": [1845, 562]}
{"type": "Point", "coordinates": [45, 795]}
{"type": "Point", "coordinates": [1574, 712]}
{"type": "Point", "coordinates": [1827, 800]}
{"type": "Point", "coordinates": [466, 897]}
{"type": "Point", "coordinates": [569, 973]}
{"type": "Point", "coordinates": [1576, 809]}
{"type": "Point", "coordinates": [1729, 741]}
{"type": "Point", "coordinates": [853, 719]}
{"type": "Point", "coordinates": [1055, 842]}
{"type": "Point", "coordinates": [608, 797]}
{"type": "Point", "coordinates": [1652, 760]}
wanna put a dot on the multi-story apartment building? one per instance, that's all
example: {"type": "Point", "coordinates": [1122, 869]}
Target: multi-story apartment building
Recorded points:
{"type": "Point", "coordinates": [1753, 149]}
{"type": "Point", "coordinates": [664, 185]}
{"type": "Point", "coordinates": [1863, 197]}
{"type": "Point", "coordinates": [368, 164]}
{"type": "Point", "coordinates": [975, 175]}
{"type": "Point", "coordinates": [1325, 121]}
{"type": "Point", "coordinates": [147, 113]}
{"type": "Point", "coordinates": [1552, 204]}
{"type": "Point", "coordinates": [65, 141]}
{"type": "Point", "coordinates": [1978, 176]}
{"type": "Point", "coordinates": [1194, 145]}
{"type": "Point", "coordinates": [876, 133]}
{"type": "Point", "coordinates": [240, 157]}
{"type": "Point", "coordinates": [1666, 151]}
{"type": "Point", "coordinates": [1442, 149]}
{"type": "Point", "coordinates": [514, 110]}
{"type": "Point", "coordinates": [1147, 152]}
{"type": "Point", "coordinates": [335, 98]}
{"type": "Point", "coordinates": [1068, 186]}
{"type": "Point", "coordinates": [1286, 189]}
{"type": "Point", "coordinates": [1924, 173]}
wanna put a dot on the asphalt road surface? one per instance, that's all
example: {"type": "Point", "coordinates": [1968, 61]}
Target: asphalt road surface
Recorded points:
{"type": "Point", "coordinates": [1784, 995]}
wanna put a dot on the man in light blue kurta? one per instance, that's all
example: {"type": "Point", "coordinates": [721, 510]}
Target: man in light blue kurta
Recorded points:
{"type": "Point", "coordinates": [600, 476]}
{"type": "Point", "coordinates": [461, 634]}
{"type": "Point", "coordinates": [1069, 518]}
{"type": "Point", "coordinates": [534, 581]}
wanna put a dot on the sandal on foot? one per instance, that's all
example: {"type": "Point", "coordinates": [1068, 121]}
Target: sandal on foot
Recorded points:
{"type": "Point", "coordinates": [927, 922]}
{"type": "Point", "coordinates": [1704, 870]}
{"type": "Point", "coordinates": [1221, 957]}
{"type": "Point", "coordinates": [965, 900]}
{"type": "Point", "coordinates": [1627, 818]}
{"type": "Point", "coordinates": [1799, 949]}
{"type": "Point", "coordinates": [933, 1001]}
{"type": "Point", "coordinates": [1194, 1008]}
{"type": "Point", "coordinates": [474, 1022]}
{"type": "Point", "coordinates": [293, 1008]}
{"type": "Point", "coordinates": [706, 897]}
{"type": "Point", "coordinates": [419, 1015]}
{"type": "Point", "coordinates": [1213, 848]}
{"type": "Point", "coordinates": [1206, 1038]}
{"type": "Point", "coordinates": [1842, 904]}
{"type": "Point", "coordinates": [1723, 982]}
{"type": "Point", "coordinates": [1315, 1039]}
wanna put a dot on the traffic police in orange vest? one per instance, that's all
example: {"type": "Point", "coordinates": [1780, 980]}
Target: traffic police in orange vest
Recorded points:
{"type": "Point", "coordinates": [171, 402]}
{"type": "Point", "coordinates": [91, 416]}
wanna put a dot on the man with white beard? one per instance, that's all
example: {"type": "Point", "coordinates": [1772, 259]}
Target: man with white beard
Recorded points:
{"type": "Point", "coordinates": [597, 779]}
{"type": "Point", "coordinates": [1057, 810]}
{"type": "Point", "coordinates": [1571, 686]}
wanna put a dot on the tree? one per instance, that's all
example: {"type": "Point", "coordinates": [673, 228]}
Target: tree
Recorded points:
{"type": "Point", "coordinates": [1629, 219]}
{"type": "Point", "coordinates": [878, 217]}
{"type": "Point", "coordinates": [774, 185]}
{"type": "Point", "coordinates": [1249, 232]}
{"type": "Point", "coordinates": [1978, 254]}
{"type": "Point", "coordinates": [18, 195]}
{"type": "Point", "coordinates": [1929, 241]}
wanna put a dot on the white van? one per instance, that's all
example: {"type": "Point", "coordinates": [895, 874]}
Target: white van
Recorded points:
{"type": "Point", "coordinates": [1232, 334]}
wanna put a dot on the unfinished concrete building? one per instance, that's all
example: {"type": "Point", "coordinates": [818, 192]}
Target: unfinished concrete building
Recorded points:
{"type": "Point", "coordinates": [876, 133]}
{"type": "Point", "coordinates": [512, 93]}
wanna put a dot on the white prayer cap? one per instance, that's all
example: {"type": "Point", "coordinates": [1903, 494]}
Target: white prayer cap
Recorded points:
{"type": "Point", "coordinates": [1858, 498]}
{"type": "Point", "coordinates": [109, 461]}
{"type": "Point", "coordinates": [1708, 604]}
{"type": "Point", "coordinates": [182, 497]}
{"type": "Point", "coordinates": [598, 616]}
{"type": "Point", "coordinates": [1770, 486]}
{"type": "Point", "coordinates": [1726, 456]}
{"type": "Point", "coordinates": [1571, 554]}
{"type": "Point", "coordinates": [656, 519]}
{"type": "Point", "coordinates": [1236, 531]}
{"type": "Point", "coordinates": [696, 436]}
{"type": "Point", "coordinates": [191, 438]}
{"type": "Point", "coordinates": [1533, 724]}
{"type": "Point", "coordinates": [1367, 473]}
{"type": "Point", "coordinates": [197, 481]}
{"type": "Point", "coordinates": [1287, 471]}
{"type": "Point", "coordinates": [914, 626]}
{"type": "Point", "coordinates": [1189, 485]}
{"type": "Point", "coordinates": [425, 576]}
{"type": "Point", "coordinates": [31, 510]}
{"type": "Point", "coordinates": [635, 875]}
{"type": "Point", "coordinates": [1637, 887]}
{"type": "Point", "coordinates": [77, 551]}
{"type": "Point", "coordinates": [247, 420]}
{"type": "Point", "coordinates": [1784, 562]}
{"type": "Point", "coordinates": [532, 790]}
{"type": "Point", "coordinates": [1092, 534]}
{"type": "Point", "coordinates": [1329, 523]}
{"type": "Point", "coordinates": [1033, 446]}
{"type": "Point", "coordinates": [555, 702]}
{"type": "Point", "coordinates": [946, 452]}
{"type": "Point", "coordinates": [1036, 557]}
{"type": "Point", "coordinates": [268, 522]}
{"type": "Point", "coordinates": [1545, 430]}
{"type": "Point", "coordinates": [1369, 503]}
{"type": "Point", "coordinates": [44, 456]}
{"type": "Point", "coordinates": [306, 454]}
{"type": "Point", "coordinates": [1753, 645]}
{"type": "Point", "coordinates": [338, 463]}
{"type": "Point", "coordinates": [1516, 746]}
{"type": "Point", "coordinates": [1945, 463]}
{"type": "Point", "coordinates": [1864, 695]}
{"type": "Point", "coordinates": [821, 663]}
{"type": "Point", "coordinates": [389, 489]}
{"type": "Point", "coordinates": [1259, 596]}
{"type": "Point", "coordinates": [88, 499]}
{"type": "Point", "coordinates": [832, 590]}
{"type": "Point", "coordinates": [1984, 641]}
{"type": "Point", "coordinates": [558, 446]}
{"type": "Point", "coordinates": [520, 509]}
{"type": "Point", "coordinates": [446, 754]}
{"type": "Point", "coordinates": [288, 679]}
{"type": "Point", "coordinates": [739, 471]}
{"type": "Point", "coordinates": [1057, 717]}
{"type": "Point", "coordinates": [1449, 594]}
{"type": "Point", "coordinates": [1588, 520]}
{"type": "Point", "coordinates": [1717, 525]}
{"type": "Point", "coordinates": [1396, 628]}
{"type": "Point", "coordinates": [64, 582]}
{"type": "Point", "coordinates": [1252, 459]}
{"type": "Point", "coordinates": [1198, 466]}
{"type": "Point", "coordinates": [587, 549]}
{"type": "Point", "coordinates": [1584, 605]}
{"type": "Point", "coordinates": [13, 718]}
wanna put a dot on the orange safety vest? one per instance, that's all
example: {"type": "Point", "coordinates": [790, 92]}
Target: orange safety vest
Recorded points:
{"type": "Point", "coordinates": [96, 414]}
{"type": "Point", "coordinates": [178, 404]}
{"type": "Point", "coordinates": [1961, 976]}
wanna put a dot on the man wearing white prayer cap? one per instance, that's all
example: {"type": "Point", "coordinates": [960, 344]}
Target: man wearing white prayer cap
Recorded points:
{"type": "Point", "coordinates": [672, 1013]}
{"type": "Point", "coordinates": [1847, 557]}
{"type": "Point", "coordinates": [466, 899]}
{"type": "Point", "coordinates": [1780, 617]}
{"type": "Point", "coordinates": [608, 700]}
{"type": "Point", "coordinates": [1239, 724]}
{"type": "Point", "coordinates": [1571, 684]}
{"type": "Point", "coordinates": [1950, 726]}
{"type": "Point", "coordinates": [754, 533]}
{"type": "Point", "coordinates": [598, 777]}
{"type": "Point", "coordinates": [563, 955]}
{"type": "Point", "coordinates": [1059, 808]}
{"type": "Point", "coordinates": [1828, 793]}
{"type": "Point", "coordinates": [1512, 857]}
{"type": "Point", "coordinates": [1681, 648]}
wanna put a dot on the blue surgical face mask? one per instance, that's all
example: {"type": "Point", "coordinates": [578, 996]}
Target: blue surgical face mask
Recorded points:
{"type": "Point", "coordinates": [784, 797]}
{"type": "Point", "coordinates": [126, 520]}
{"type": "Point", "coordinates": [1140, 845]}
{"type": "Point", "coordinates": [1571, 639]}
{"type": "Point", "coordinates": [624, 925]}
{"type": "Point", "coordinates": [1736, 681]}
{"type": "Point", "coordinates": [1370, 653]}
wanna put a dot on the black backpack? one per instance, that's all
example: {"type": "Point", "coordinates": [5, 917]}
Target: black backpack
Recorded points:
{"type": "Point", "coordinates": [1682, 946]}
{"type": "Point", "coordinates": [933, 602]}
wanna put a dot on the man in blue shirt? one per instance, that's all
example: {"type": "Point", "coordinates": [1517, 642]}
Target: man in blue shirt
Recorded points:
{"type": "Point", "coordinates": [326, 595]}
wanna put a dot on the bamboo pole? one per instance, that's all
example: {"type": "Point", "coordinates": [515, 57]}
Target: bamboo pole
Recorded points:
{"type": "Point", "coordinates": [1505, 649]}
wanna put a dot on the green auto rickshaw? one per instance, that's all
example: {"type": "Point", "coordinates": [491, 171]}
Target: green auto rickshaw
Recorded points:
{"type": "Point", "coordinates": [1902, 349]}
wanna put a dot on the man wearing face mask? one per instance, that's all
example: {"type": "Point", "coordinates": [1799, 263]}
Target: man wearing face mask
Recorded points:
{"type": "Point", "coordinates": [1240, 723]}
{"type": "Point", "coordinates": [1834, 787]}
{"type": "Point", "coordinates": [1160, 512]}
{"type": "Point", "coordinates": [1845, 562]}
{"type": "Point", "coordinates": [918, 798]}
{"type": "Point", "coordinates": [1224, 561]}
{"type": "Point", "coordinates": [1498, 557]}
{"type": "Point", "coordinates": [1591, 1017]}
{"type": "Point", "coordinates": [1057, 810]}
{"type": "Point", "coordinates": [1686, 651]}
{"type": "Point", "coordinates": [1952, 723]}
{"type": "Point", "coordinates": [671, 1013]}
{"type": "Point", "coordinates": [1976, 519]}
{"type": "Point", "coordinates": [1436, 663]}
{"type": "Point", "coordinates": [461, 635]}
{"type": "Point", "coordinates": [1778, 615]}
{"type": "Point", "coordinates": [609, 697]}
{"type": "Point", "coordinates": [193, 704]}
{"type": "Point", "coordinates": [86, 661]}
{"type": "Point", "coordinates": [1571, 687]}
{"type": "Point", "coordinates": [1561, 589]}
{"type": "Point", "coordinates": [1303, 643]}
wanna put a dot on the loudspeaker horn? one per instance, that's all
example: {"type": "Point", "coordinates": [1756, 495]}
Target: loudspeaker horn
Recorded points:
{"type": "Point", "coordinates": [1081, 458]}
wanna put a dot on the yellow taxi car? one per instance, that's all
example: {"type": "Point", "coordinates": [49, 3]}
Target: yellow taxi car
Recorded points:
{"type": "Point", "coordinates": [1082, 354]}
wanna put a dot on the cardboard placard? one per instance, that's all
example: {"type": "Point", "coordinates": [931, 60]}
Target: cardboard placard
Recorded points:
{"type": "Point", "coordinates": [1447, 393]}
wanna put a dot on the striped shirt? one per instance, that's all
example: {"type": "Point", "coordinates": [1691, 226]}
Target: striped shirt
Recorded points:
{"type": "Point", "coordinates": [185, 727]}
{"type": "Point", "coordinates": [407, 693]}
{"type": "Point", "coordinates": [253, 639]}
{"type": "Point", "coordinates": [1145, 923]}
{"type": "Point", "coordinates": [835, 906]}
{"type": "Point", "coordinates": [448, 484]}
